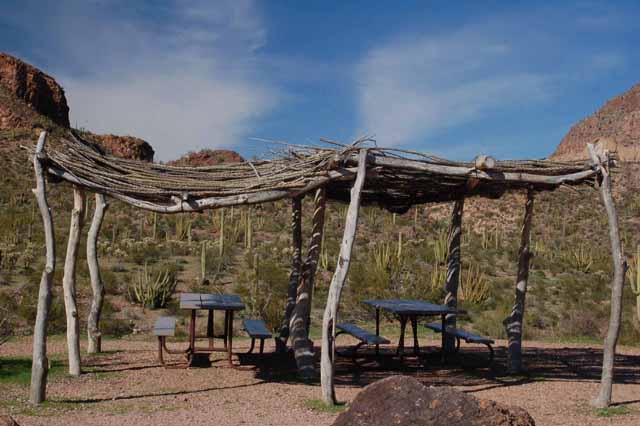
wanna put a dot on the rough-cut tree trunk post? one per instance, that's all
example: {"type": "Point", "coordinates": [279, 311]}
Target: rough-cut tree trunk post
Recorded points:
{"type": "Point", "coordinates": [294, 275]}
{"type": "Point", "coordinates": [514, 322]}
{"type": "Point", "coordinates": [453, 269]}
{"type": "Point", "coordinates": [603, 399]}
{"type": "Point", "coordinates": [40, 365]}
{"type": "Point", "coordinates": [337, 282]}
{"type": "Point", "coordinates": [299, 324]}
{"type": "Point", "coordinates": [94, 336]}
{"type": "Point", "coordinates": [69, 282]}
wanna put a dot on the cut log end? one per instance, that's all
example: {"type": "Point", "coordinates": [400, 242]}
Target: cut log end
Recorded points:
{"type": "Point", "coordinates": [484, 162]}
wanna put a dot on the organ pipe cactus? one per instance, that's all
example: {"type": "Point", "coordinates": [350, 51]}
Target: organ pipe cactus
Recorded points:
{"type": "Point", "coordinates": [151, 291]}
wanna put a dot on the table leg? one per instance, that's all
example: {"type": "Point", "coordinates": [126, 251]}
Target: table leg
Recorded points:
{"type": "Point", "coordinates": [403, 325]}
{"type": "Point", "coordinates": [443, 352]}
{"type": "Point", "coordinates": [230, 339]}
{"type": "Point", "coordinates": [414, 327]}
{"type": "Point", "coordinates": [210, 328]}
{"type": "Point", "coordinates": [226, 328]}
{"type": "Point", "coordinates": [192, 335]}
{"type": "Point", "coordinates": [377, 330]}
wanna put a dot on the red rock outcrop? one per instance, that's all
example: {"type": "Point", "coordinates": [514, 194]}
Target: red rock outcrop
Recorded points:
{"type": "Point", "coordinates": [35, 88]}
{"type": "Point", "coordinates": [616, 125]}
{"type": "Point", "coordinates": [207, 157]}
{"type": "Point", "coordinates": [125, 146]}
{"type": "Point", "coordinates": [404, 401]}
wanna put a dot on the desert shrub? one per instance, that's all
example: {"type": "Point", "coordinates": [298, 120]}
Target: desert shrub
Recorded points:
{"type": "Point", "coordinates": [263, 287]}
{"type": "Point", "coordinates": [7, 320]}
{"type": "Point", "coordinates": [110, 324]}
{"type": "Point", "coordinates": [27, 308]}
{"type": "Point", "coordinates": [141, 253]}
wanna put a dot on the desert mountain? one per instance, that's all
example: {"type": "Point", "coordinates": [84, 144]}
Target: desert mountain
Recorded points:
{"type": "Point", "coordinates": [31, 100]}
{"type": "Point", "coordinates": [616, 125]}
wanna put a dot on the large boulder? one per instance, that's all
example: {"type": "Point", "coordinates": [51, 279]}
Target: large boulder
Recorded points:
{"type": "Point", "coordinates": [616, 126]}
{"type": "Point", "coordinates": [37, 89]}
{"type": "Point", "coordinates": [8, 421]}
{"type": "Point", "coordinates": [207, 157]}
{"type": "Point", "coordinates": [404, 401]}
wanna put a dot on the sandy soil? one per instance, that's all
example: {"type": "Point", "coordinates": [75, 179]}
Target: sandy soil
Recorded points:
{"type": "Point", "coordinates": [125, 386]}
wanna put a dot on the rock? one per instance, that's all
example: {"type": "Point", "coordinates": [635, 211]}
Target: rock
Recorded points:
{"type": "Point", "coordinates": [35, 88]}
{"type": "Point", "coordinates": [207, 157]}
{"type": "Point", "coordinates": [616, 125]}
{"type": "Point", "coordinates": [125, 146]}
{"type": "Point", "coordinates": [403, 400]}
{"type": "Point", "coordinates": [8, 421]}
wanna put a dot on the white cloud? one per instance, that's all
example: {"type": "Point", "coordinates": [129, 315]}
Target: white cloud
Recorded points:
{"type": "Point", "coordinates": [414, 88]}
{"type": "Point", "coordinates": [180, 74]}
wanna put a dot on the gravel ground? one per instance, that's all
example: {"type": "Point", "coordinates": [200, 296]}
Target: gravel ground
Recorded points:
{"type": "Point", "coordinates": [126, 387]}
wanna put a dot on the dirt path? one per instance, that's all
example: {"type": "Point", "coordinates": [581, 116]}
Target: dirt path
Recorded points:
{"type": "Point", "coordinates": [126, 387]}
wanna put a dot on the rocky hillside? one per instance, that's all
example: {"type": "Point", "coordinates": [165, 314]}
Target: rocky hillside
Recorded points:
{"type": "Point", "coordinates": [616, 125]}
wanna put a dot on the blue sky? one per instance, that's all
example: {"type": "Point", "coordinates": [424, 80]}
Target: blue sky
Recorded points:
{"type": "Point", "coordinates": [450, 78]}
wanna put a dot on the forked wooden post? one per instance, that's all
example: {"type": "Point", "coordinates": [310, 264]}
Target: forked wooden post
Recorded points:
{"type": "Point", "coordinates": [40, 363]}
{"type": "Point", "coordinates": [294, 275]}
{"type": "Point", "coordinates": [69, 282]}
{"type": "Point", "coordinates": [94, 336]}
{"type": "Point", "coordinates": [299, 324]}
{"type": "Point", "coordinates": [337, 282]}
{"type": "Point", "coordinates": [453, 268]}
{"type": "Point", "coordinates": [600, 158]}
{"type": "Point", "coordinates": [514, 322]}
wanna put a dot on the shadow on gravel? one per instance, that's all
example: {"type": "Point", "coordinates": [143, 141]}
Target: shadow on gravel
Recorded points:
{"type": "Point", "coordinates": [156, 394]}
{"type": "Point", "coordinates": [467, 369]}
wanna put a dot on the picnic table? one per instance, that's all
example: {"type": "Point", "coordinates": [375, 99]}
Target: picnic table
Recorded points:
{"type": "Point", "coordinates": [410, 310]}
{"type": "Point", "coordinates": [211, 302]}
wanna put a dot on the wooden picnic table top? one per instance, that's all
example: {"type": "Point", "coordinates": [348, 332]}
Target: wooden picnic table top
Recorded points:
{"type": "Point", "coordinates": [222, 302]}
{"type": "Point", "coordinates": [412, 307]}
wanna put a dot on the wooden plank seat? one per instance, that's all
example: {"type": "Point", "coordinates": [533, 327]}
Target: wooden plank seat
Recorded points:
{"type": "Point", "coordinates": [256, 329]}
{"type": "Point", "coordinates": [365, 337]}
{"type": "Point", "coordinates": [163, 328]}
{"type": "Point", "coordinates": [465, 335]}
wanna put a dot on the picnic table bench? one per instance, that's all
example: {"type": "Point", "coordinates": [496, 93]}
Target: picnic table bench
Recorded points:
{"type": "Point", "coordinates": [365, 337]}
{"type": "Point", "coordinates": [465, 335]}
{"type": "Point", "coordinates": [256, 329]}
{"type": "Point", "coordinates": [162, 328]}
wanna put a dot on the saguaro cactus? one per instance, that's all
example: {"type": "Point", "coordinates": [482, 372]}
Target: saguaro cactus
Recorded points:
{"type": "Point", "coordinates": [203, 261]}
{"type": "Point", "coordinates": [221, 234]}
{"type": "Point", "coordinates": [634, 279]}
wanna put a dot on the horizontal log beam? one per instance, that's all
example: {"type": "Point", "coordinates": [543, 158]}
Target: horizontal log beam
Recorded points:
{"type": "Point", "coordinates": [472, 172]}
{"type": "Point", "coordinates": [195, 205]}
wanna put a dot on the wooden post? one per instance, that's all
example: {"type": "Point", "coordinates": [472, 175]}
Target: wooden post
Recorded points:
{"type": "Point", "coordinates": [601, 159]}
{"type": "Point", "coordinates": [294, 275]}
{"type": "Point", "coordinates": [69, 282]}
{"type": "Point", "coordinates": [40, 364]}
{"type": "Point", "coordinates": [299, 324]}
{"type": "Point", "coordinates": [514, 322]}
{"type": "Point", "coordinates": [94, 336]}
{"type": "Point", "coordinates": [453, 269]}
{"type": "Point", "coordinates": [337, 282]}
